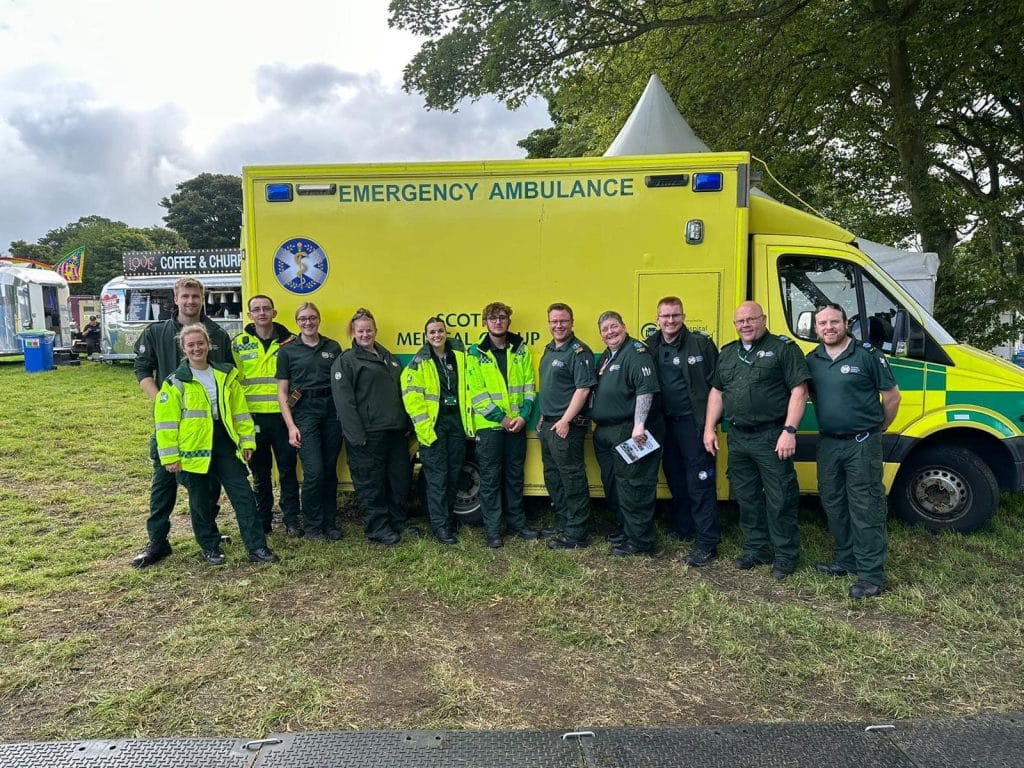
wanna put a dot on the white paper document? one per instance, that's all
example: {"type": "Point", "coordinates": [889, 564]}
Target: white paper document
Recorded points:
{"type": "Point", "coordinates": [631, 452]}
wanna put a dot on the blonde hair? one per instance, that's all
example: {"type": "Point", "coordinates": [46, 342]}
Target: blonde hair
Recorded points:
{"type": "Point", "coordinates": [188, 330]}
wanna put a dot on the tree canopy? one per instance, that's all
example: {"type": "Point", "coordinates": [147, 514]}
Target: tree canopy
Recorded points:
{"type": "Point", "coordinates": [104, 242]}
{"type": "Point", "coordinates": [902, 119]}
{"type": "Point", "coordinates": [207, 211]}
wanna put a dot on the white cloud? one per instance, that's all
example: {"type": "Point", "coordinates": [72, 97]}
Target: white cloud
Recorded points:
{"type": "Point", "coordinates": [105, 106]}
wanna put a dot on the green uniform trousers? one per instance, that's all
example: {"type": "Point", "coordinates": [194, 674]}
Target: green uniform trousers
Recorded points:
{"type": "Point", "coordinates": [501, 457]}
{"type": "Point", "coordinates": [768, 495]}
{"type": "Point", "coordinates": [850, 485]}
{"type": "Point", "coordinates": [381, 474]}
{"type": "Point", "coordinates": [226, 467]}
{"type": "Point", "coordinates": [631, 489]}
{"type": "Point", "coordinates": [565, 476]}
{"type": "Point", "coordinates": [163, 494]}
{"type": "Point", "coordinates": [442, 463]}
{"type": "Point", "coordinates": [272, 444]}
{"type": "Point", "coordinates": [321, 445]}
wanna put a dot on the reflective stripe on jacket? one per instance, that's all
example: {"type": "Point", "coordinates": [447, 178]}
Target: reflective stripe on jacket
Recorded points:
{"type": "Point", "coordinates": [257, 365]}
{"type": "Point", "coordinates": [184, 418]}
{"type": "Point", "coordinates": [421, 392]}
{"type": "Point", "coordinates": [491, 399]}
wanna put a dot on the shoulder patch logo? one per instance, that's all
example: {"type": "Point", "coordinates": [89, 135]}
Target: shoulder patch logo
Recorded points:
{"type": "Point", "coordinates": [164, 397]}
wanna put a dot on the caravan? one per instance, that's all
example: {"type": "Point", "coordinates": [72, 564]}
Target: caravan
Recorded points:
{"type": "Point", "coordinates": [32, 299]}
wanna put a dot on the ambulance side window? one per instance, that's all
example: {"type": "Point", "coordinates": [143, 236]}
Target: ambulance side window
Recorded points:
{"type": "Point", "coordinates": [810, 282]}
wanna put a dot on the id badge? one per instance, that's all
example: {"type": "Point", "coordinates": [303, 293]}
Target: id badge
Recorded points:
{"type": "Point", "coordinates": [450, 401]}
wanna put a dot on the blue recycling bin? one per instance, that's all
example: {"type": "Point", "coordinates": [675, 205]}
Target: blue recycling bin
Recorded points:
{"type": "Point", "coordinates": [37, 346]}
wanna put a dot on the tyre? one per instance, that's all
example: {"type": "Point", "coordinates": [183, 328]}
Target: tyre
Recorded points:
{"type": "Point", "coordinates": [467, 497]}
{"type": "Point", "coordinates": [945, 489]}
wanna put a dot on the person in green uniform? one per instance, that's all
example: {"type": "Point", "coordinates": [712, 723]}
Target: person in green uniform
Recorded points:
{"type": "Point", "coordinates": [760, 385]}
{"type": "Point", "coordinates": [686, 361]}
{"type": "Point", "coordinates": [435, 391]}
{"type": "Point", "coordinates": [304, 394]}
{"type": "Point", "coordinates": [502, 384]}
{"type": "Point", "coordinates": [157, 355]}
{"type": "Point", "coordinates": [366, 383]}
{"type": "Point", "coordinates": [204, 429]}
{"type": "Point", "coordinates": [255, 354]}
{"type": "Point", "coordinates": [846, 379]}
{"type": "Point", "coordinates": [623, 408]}
{"type": "Point", "coordinates": [566, 378]}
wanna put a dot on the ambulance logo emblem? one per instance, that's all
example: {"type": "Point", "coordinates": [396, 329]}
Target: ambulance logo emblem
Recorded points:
{"type": "Point", "coordinates": [300, 265]}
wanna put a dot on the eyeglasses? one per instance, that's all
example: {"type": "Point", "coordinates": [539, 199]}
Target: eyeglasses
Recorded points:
{"type": "Point", "coordinates": [740, 321]}
{"type": "Point", "coordinates": [497, 318]}
{"type": "Point", "coordinates": [831, 305]}
{"type": "Point", "coordinates": [259, 310]}
{"type": "Point", "coordinates": [676, 316]}
{"type": "Point", "coordinates": [559, 322]}
{"type": "Point", "coordinates": [309, 319]}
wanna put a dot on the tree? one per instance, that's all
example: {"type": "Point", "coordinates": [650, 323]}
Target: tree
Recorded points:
{"type": "Point", "coordinates": [22, 250]}
{"type": "Point", "coordinates": [207, 211]}
{"type": "Point", "coordinates": [903, 119]}
{"type": "Point", "coordinates": [105, 241]}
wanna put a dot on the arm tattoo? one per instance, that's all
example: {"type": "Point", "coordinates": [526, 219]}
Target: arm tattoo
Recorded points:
{"type": "Point", "coordinates": [643, 408]}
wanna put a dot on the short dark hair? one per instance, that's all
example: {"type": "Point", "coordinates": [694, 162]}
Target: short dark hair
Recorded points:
{"type": "Point", "coordinates": [560, 307]}
{"type": "Point", "coordinates": [248, 304]}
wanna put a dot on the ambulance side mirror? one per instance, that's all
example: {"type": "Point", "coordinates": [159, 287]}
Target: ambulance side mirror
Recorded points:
{"type": "Point", "coordinates": [805, 326]}
{"type": "Point", "coordinates": [900, 333]}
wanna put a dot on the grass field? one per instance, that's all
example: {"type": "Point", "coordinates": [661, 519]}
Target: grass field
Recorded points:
{"type": "Point", "coordinates": [349, 635]}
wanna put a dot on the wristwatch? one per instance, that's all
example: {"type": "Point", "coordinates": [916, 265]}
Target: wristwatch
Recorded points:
{"type": "Point", "coordinates": [791, 430]}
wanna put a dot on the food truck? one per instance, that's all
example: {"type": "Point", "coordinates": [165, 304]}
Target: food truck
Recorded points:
{"type": "Point", "coordinates": [145, 292]}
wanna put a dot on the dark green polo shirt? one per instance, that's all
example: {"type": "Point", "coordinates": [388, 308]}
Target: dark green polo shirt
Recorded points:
{"type": "Point", "coordinates": [307, 367]}
{"type": "Point", "coordinates": [621, 376]}
{"type": "Point", "coordinates": [846, 389]}
{"type": "Point", "coordinates": [756, 383]}
{"type": "Point", "coordinates": [562, 372]}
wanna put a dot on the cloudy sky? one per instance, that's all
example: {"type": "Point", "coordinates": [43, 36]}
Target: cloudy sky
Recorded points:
{"type": "Point", "coordinates": [105, 105]}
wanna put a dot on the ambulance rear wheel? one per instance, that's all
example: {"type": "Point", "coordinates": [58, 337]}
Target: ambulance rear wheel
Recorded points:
{"type": "Point", "coordinates": [946, 489]}
{"type": "Point", "coordinates": [467, 497]}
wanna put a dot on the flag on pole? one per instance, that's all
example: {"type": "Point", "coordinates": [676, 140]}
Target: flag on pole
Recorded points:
{"type": "Point", "coordinates": [71, 266]}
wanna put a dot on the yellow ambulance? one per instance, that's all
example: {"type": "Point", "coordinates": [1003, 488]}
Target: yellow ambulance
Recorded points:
{"type": "Point", "coordinates": [413, 240]}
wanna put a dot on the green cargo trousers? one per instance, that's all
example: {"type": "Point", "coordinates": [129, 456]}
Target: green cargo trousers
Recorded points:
{"type": "Point", "coordinates": [766, 489]}
{"type": "Point", "coordinates": [631, 489]}
{"type": "Point", "coordinates": [442, 464]}
{"type": "Point", "coordinates": [852, 494]}
{"type": "Point", "coordinates": [565, 476]}
{"type": "Point", "coordinates": [501, 455]}
{"type": "Point", "coordinates": [232, 474]}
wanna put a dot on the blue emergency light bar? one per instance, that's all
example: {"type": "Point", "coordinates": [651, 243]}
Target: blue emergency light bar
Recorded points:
{"type": "Point", "coordinates": [279, 193]}
{"type": "Point", "coordinates": [707, 182]}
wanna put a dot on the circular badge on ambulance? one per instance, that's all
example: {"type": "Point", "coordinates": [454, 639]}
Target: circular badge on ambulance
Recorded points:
{"type": "Point", "coordinates": [300, 265]}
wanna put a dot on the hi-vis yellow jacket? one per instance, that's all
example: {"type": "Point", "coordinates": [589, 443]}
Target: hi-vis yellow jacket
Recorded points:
{"type": "Point", "coordinates": [257, 365]}
{"type": "Point", "coordinates": [184, 418]}
{"type": "Point", "coordinates": [421, 392]}
{"type": "Point", "coordinates": [491, 398]}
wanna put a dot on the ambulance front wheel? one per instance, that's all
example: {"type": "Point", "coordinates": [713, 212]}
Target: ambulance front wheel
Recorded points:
{"type": "Point", "coordinates": [946, 489]}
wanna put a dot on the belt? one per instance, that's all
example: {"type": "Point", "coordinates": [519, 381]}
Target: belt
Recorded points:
{"type": "Point", "coordinates": [579, 421]}
{"type": "Point", "coordinates": [323, 392]}
{"type": "Point", "coordinates": [858, 436]}
{"type": "Point", "coordinates": [758, 428]}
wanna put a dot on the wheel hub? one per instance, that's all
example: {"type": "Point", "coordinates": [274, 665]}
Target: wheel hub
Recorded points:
{"type": "Point", "coordinates": [941, 493]}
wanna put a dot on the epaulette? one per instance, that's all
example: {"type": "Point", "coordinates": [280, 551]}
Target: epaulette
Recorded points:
{"type": "Point", "coordinates": [577, 347]}
{"type": "Point", "coordinates": [868, 346]}
{"type": "Point", "coordinates": [418, 359]}
{"type": "Point", "coordinates": [782, 337]}
{"type": "Point", "coordinates": [639, 346]}
{"type": "Point", "coordinates": [288, 341]}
